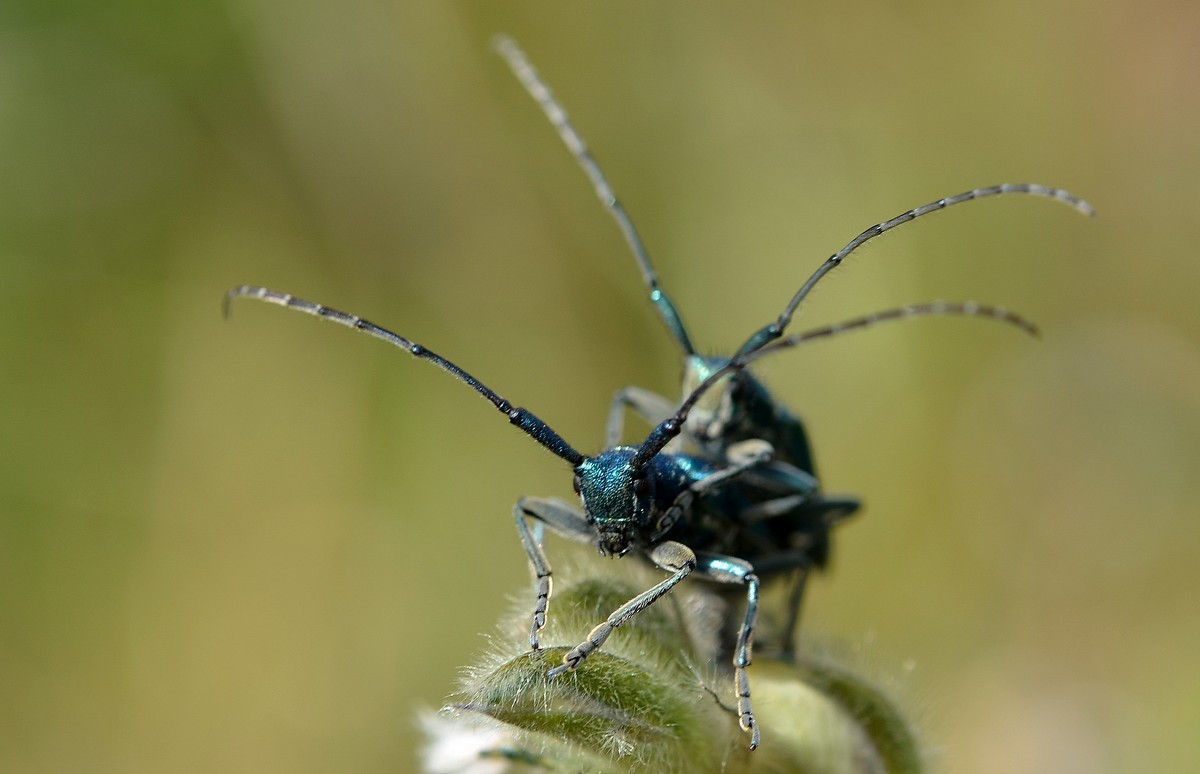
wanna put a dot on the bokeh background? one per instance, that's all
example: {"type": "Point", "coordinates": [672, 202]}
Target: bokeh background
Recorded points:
{"type": "Point", "coordinates": [261, 545]}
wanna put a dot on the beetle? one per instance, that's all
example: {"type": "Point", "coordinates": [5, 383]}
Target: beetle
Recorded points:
{"type": "Point", "coordinates": [723, 486]}
{"type": "Point", "coordinates": [685, 513]}
{"type": "Point", "coordinates": [740, 408]}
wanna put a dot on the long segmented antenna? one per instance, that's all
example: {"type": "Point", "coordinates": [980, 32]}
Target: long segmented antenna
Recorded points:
{"type": "Point", "coordinates": [537, 88]}
{"type": "Point", "coordinates": [774, 330]}
{"type": "Point", "coordinates": [526, 421]}
{"type": "Point", "coordinates": [666, 431]}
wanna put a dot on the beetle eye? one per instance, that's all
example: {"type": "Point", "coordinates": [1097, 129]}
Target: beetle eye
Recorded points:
{"type": "Point", "coordinates": [641, 487]}
{"type": "Point", "coordinates": [575, 483]}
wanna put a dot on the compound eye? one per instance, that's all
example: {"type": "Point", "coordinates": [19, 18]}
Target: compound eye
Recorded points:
{"type": "Point", "coordinates": [641, 487]}
{"type": "Point", "coordinates": [576, 484]}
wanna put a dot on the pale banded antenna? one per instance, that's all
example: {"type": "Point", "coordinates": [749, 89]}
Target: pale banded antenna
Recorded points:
{"type": "Point", "coordinates": [672, 426]}
{"type": "Point", "coordinates": [957, 308]}
{"type": "Point", "coordinates": [537, 88]}
{"type": "Point", "coordinates": [523, 419]}
{"type": "Point", "coordinates": [774, 330]}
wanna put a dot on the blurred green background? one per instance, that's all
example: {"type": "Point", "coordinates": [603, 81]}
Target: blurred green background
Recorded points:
{"type": "Point", "coordinates": [260, 545]}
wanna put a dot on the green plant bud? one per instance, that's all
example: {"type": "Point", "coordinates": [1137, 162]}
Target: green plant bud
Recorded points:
{"type": "Point", "coordinates": [658, 697]}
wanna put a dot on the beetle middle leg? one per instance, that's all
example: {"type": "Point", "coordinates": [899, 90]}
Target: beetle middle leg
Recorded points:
{"type": "Point", "coordinates": [808, 523]}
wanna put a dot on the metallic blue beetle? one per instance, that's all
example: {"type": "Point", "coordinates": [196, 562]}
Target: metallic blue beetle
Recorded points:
{"type": "Point", "coordinates": [735, 499]}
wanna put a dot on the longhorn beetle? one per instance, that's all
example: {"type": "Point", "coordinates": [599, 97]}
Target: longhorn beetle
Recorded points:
{"type": "Point", "coordinates": [741, 408]}
{"type": "Point", "coordinates": [717, 510]}
{"type": "Point", "coordinates": [684, 513]}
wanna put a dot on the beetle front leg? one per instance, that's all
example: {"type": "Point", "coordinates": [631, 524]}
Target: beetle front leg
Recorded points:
{"type": "Point", "coordinates": [742, 456]}
{"type": "Point", "coordinates": [675, 558]}
{"type": "Point", "coordinates": [564, 520]}
{"type": "Point", "coordinates": [727, 569]}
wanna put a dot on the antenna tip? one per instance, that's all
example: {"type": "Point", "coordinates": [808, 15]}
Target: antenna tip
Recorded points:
{"type": "Point", "coordinates": [227, 300]}
{"type": "Point", "coordinates": [502, 44]}
{"type": "Point", "coordinates": [226, 303]}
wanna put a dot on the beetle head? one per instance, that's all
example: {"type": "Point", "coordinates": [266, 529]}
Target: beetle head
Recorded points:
{"type": "Point", "coordinates": [617, 498]}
